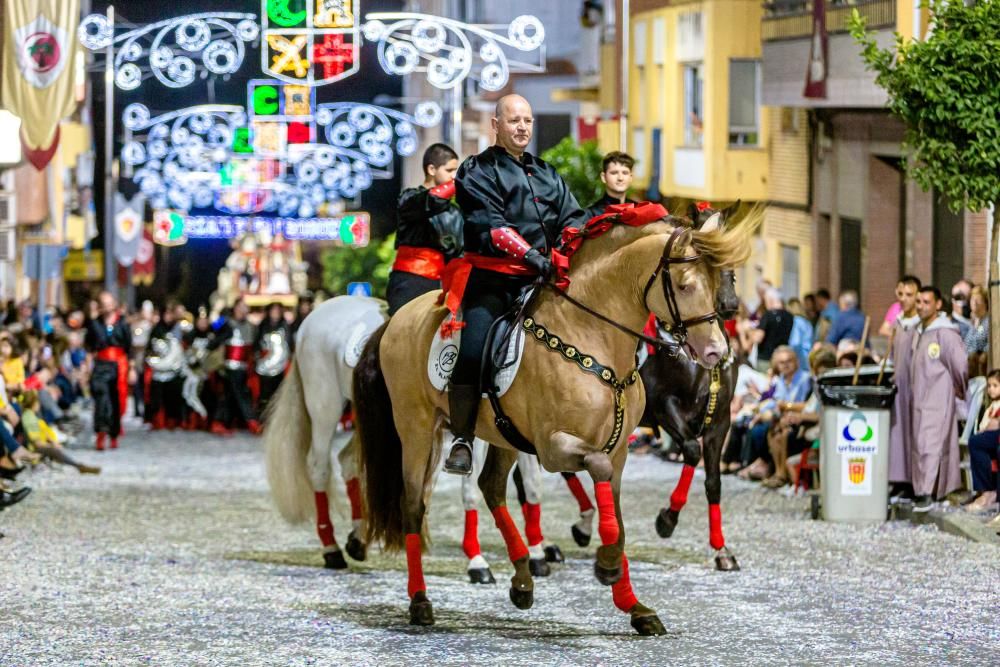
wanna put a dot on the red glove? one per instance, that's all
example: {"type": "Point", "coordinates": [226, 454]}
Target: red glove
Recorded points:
{"type": "Point", "coordinates": [509, 242]}
{"type": "Point", "coordinates": [444, 191]}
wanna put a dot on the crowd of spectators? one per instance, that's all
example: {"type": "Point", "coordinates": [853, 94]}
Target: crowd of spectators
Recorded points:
{"type": "Point", "coordinates": [940, 359]}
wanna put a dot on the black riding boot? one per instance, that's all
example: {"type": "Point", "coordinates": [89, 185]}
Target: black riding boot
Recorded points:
{"type": "Point", "coordinates": [463, 406]}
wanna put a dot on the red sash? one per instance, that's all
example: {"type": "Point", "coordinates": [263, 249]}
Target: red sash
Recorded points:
{"type": "Point", "coordinates": [456, 277]}
{"type": "Point", "coordinates": [425, 262]}
{"type": "Point", "coordinates": [237, 353]}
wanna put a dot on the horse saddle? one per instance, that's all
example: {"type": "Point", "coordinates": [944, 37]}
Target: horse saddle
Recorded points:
{"type": "Point", "coordinates": [501, 355]}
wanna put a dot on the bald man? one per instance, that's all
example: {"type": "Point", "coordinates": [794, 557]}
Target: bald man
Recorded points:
{"type": "Point", "coordinates": [515, 208]}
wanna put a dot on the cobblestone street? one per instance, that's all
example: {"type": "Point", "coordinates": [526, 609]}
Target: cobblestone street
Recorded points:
{"type": "Point", "coordinates": [174, 556]}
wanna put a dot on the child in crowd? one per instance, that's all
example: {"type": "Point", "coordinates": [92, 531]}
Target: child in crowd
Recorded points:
{"type": "Point", "coordinates": [43, 438]}
{"type": "Point", "coordinates": [984, 448]}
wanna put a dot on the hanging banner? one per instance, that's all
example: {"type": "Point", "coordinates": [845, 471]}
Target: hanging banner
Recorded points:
{"type": "Point", "coordinates": [39, 42]}
{"type": "Point", "coordinates": [144, 269]}
{"type": "Point", "coordinates": [818, 54]}
{"type": "Point", "coordinates": [128, 227]}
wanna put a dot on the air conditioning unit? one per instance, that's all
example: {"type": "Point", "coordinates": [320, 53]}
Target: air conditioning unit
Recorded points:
{"type": "Point", "coordinates": [8, 243]}
{"type": "Point", "coordinates": [8, 209]}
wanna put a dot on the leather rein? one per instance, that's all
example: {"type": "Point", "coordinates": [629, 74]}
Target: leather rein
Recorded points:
{"type": "Point", "coordinates": [680, 326]}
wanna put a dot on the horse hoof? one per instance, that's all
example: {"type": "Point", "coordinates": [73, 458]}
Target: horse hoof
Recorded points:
{"type": "Point", "coordinates": [553, 554]}
{"type": "Point", "coordinates": [522, 599]}
{"type": "Point", "coordinates": [581, 538]}
{"type": "Point", "coordinates": [334, 560]}
{"type": "Point", "coordinates": [648, 625]}
{"type": "Point", "coordinates": [538, 567]}
{"type": "Point", "coordinates": [666, 521]}
{"type": "Point", "coordinates": [421, 611]}
{"type": "Point", "coordinates": [356, 549]}
{"type": "Point", "coordinates": [607, 575]}
{"type": "Point", "coordinates": [726, 562]}
{"type": "Point", "coordinates": [481, 575]}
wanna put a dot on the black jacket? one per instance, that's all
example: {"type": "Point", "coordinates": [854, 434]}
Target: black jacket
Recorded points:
{"type": "Point", "coordinates": [426, 221]}
{"type": "Point", "coordinates": [266, 327]}
{"type": "Point", "coordinates": [495, 190]}
{"type": "Point", "coordinates": [599, 206]}
{"type": "Point", "coordinates": [100, 336]}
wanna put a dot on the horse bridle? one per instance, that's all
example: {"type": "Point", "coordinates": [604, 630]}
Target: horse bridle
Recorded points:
{"type": "Point", "coordinates": [680, 326]}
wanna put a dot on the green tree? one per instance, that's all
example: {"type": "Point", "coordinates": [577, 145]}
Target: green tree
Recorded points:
{"type": "Point", "coordinates": [580, 166]}
{"type": "Point", "coordinates": [371, 264]}
{"type": "Point", "coordinates": [946, 90]}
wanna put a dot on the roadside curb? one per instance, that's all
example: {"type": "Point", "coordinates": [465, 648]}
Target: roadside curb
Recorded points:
{"type": "Point", "coordinates": [953, 523]}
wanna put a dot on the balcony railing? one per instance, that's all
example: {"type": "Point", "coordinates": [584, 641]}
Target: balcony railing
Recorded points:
{"type": "Point", "coordinates": [792, 19]}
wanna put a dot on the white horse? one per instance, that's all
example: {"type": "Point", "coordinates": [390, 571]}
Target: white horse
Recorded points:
{"type": "Point", "coordinates": [301, 430]}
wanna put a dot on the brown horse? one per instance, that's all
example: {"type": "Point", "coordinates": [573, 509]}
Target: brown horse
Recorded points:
{"type": "Point", "coordinates": [574, 397]}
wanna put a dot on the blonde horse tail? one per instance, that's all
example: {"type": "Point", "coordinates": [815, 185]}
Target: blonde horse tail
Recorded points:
{"type": "Point", "coordinates": [287, 438]}
{"type": "Point", "coordinates": [381, 449]}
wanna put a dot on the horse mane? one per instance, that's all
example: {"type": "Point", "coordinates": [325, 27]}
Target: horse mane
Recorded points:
{"type": "Point", "coordinates": [728, 247]}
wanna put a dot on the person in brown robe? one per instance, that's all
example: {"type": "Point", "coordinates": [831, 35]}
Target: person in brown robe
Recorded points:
{"type": "Point", "coordinates": [904, 328]}
{"type": "Point", "coordinates": [938, 374]}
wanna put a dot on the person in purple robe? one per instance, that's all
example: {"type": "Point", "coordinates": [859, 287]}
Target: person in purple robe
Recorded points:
{"type": "Point", "coordinates": [938, 374]}
{"type": "Point", "coordinates": [904, 326]}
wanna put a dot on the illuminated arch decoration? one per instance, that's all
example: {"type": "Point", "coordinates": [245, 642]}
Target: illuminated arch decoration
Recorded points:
{"type": "Point", "coordinates": [451, 51]}
{"type": "Point", "coordinates": [311, 42]}
{"type": "Point", "coordinates": [178, 49]}
{"type": "Point", "coordinates": [218, 156]}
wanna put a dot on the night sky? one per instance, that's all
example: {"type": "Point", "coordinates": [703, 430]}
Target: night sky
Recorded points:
{"type": "Point", "coordinates": [193, 267]}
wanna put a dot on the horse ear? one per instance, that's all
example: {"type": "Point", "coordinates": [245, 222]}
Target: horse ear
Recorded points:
{"type": "Point", "coordinates": [693, 213]}
{"type": "Point", "coordinates": [731, 210]}
{"type": "Point", "coordinates": [712, 224]}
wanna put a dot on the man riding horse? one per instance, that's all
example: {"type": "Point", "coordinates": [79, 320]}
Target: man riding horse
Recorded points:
{"type": "Point", "coordinates": [516, 207]}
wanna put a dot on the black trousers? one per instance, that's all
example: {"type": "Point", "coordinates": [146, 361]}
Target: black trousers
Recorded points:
{"type": "Point", "coordinates": [235, 401]}
{"type": "Point", "coordinates": [167, 395]}
{"type": "Point", "coordinates": [268, 386]}
{"type": "Point", "coordinates": [404, 287]}
{"type": "Point", "coordinates": [104, 390]}
{"type": "Point", "coordinates": [488, 296]}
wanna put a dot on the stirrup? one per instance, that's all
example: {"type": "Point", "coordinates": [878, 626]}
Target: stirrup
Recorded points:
{"type": "Point", "coordinates": [459, 461]}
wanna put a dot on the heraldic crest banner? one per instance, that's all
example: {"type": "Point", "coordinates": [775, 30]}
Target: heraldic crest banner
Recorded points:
{"type": "Point", "coordinates": [40, 49]}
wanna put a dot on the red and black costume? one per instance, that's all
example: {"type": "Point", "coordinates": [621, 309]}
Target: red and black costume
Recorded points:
{"type": "Point", "coordinates": [428, 234]}
{"type": "Point", "coordinates": [273, 348]}
{"type": "Point", "coordinates": [600, 206]}
{"type": "Point", "coordinates": [109, 338]}
{"type": "Point", "coordinates": [237, 336]}
{"type": "Point", "coordinates": [515, 212]}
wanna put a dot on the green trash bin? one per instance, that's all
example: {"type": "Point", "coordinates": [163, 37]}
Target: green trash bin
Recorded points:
{"type": "Point", "coordinates": [854, 450]}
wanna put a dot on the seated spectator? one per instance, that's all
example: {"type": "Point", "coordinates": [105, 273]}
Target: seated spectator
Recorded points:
{"type": "Point", "coordinates": [801, 338]}
{"type": "Point", "coordinates": [43, 438]}
{"type": "Point", "coordinates": [790, 384]}
{"type": "Point", "coordinates": [850, 321]}
{"type": "Point", "coordinates": [798, 427]}
{"type": "Point", "coordinates": [984, 448]}
{"type": "Point", "coordinates": [11, 365]}
{"type": "Point", "coordinates": [977, 338]}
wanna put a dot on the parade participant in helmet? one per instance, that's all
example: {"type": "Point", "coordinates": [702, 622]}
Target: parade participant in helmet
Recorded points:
{"type": "Point", "coordinates": [165, 359]}
{"type": "Point", "coordinates": [428, 232]}
{"type": "Point", "coordinates": [109, 338]}
{"type": "Point", "coordinates": [273, 351]}
{"type": "Point", "coordinates": [616, 175]}
{"type": "Point", "coordinates": [237, 335]}
{"type": "Point", "coordinates": [515, 207]}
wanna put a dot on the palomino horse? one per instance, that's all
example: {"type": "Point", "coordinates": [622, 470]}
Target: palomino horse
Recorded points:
{"type": "Point", "coordinates": [300, 432]}
{"type": "Point", "coordinates": [573, 398]}
{"type": "Point", "coordinates": [689, 402]}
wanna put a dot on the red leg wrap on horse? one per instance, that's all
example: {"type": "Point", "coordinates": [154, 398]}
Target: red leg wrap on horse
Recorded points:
{"type": "Point", "coordinates": [532, 523]}
{"type": "Point", "coordinates": [515, 545]}
{"type": "Point", "coordinates": [715, 527]}
{"type": "Point", "coordinates": [470, 542]}
{"type": "Point", "coordinates": [576, 488]}
{"type": "Point", "coordinates": [324, 527]}
{"type": "Point", "coordinates": [413, 565]}
{"type": "Point", "coordinates": [621, 592]}
{"type": "Point", "coordinates": [607, 524]}
{"type": "Point", "coordinates": [679, 497]}
{"type": "Point", "coordinates": [354, 494]}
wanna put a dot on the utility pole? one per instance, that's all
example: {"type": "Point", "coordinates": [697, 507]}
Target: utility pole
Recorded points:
{"type": "Point", "coordinates": [625, 22]}
{"type": "Point", "coordinates": [110, 264]}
